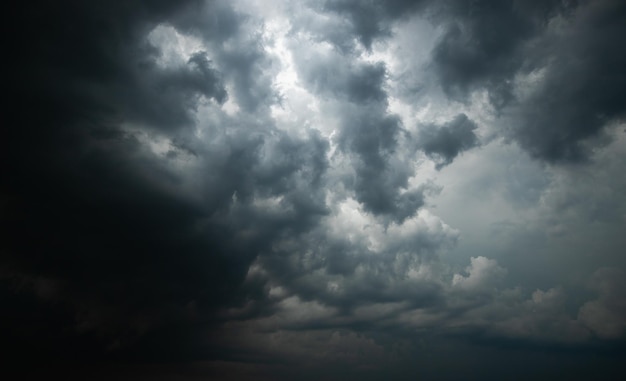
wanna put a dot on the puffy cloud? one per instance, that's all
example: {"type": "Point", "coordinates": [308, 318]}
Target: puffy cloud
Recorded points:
{"type": "Point", "coordinates": [448, 141]}
{"type": "Point", "coordinates": [229, 183]}
{"type": "Point", "coordinates": [481, 273]}
{"type": "Point", "coordinates": [132, 177]}
{"type": "Point", "coordinates": [352, 260]}
{"type": "Point", "coordinates": [372, 20]}
{"type": "Point", "coordinates": [557, 106]}
{"type": "Point", "coordinates": [472, 54]}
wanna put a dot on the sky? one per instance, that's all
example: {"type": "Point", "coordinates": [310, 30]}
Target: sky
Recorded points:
{"type": "Point", "coordinates": [315, 189]}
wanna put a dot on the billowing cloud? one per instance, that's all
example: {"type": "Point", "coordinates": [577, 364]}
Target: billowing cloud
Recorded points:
{"type": "Point", "coordinates": [446, 142]}
{"type": "Point", "coordinates": [564, 115]}
{"type": "Point", "coordinates": [235, 191]}
{"type": "Point", "coordinates": [544, 67]}
{"type": "Point", "coordinates": [372, 20]}
{"type": "Point", "coordinates": [481, 272]}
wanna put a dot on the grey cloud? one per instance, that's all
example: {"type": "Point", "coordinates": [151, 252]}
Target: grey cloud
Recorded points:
{"type": "Point", "coordinates": [544, 320]}
{"type": "Point", "coordinates": [158, 210]}
{"type": "Point", "coordinates": [606, 316]}
{"type": "Point", "coordinates": [246, 68]}
{"type": "Point", "coordinates": [490, 45]}
{"type": "Point", "coordinates": [444, 143]}
{"type": "Point", "coordinates": [481, 46]}
{"type": "Point", "coordinates": [512, 318]}
{"type": "Point", "coordinates": [165, 97]}
{"type": "Point", "coordinates": [94, 209]}
{"type": "Point", "coordinates": [480, 273]}
{"type": "Point", "coordinates": [566, 116]}
{"type": "Point", "coordinates": [213, 20]}
{"type": "Point", "coordinates": [372, 20]}
{"type": "Point", "coordinates": [241, 57]}
{"type": "Point", "coordinates": [360, 83]}
{"type": "Point", "coordinates": [113, 73]}
{"type": "Point", "coordinates": [474, 305]}
{"type": "Point", "coordinates": [371, 263]}
{"type": "Point", "coordinates": [379, 174]}
{"type": "Point", "coordinates": [359, 289]}
{"type": "Point", "coordinates": [369, 135]}
{"type": "Point", "coordinates": [503, 321]}
{"type": "Point", "coordinates": [203, 64]}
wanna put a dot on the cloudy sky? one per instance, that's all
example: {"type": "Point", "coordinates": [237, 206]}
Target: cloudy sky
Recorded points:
{"type": "Point", "coordinates": [315, 189]}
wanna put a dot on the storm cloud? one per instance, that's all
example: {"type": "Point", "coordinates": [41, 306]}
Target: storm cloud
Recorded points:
{"type": "Point", "coordinates": [320, 189]}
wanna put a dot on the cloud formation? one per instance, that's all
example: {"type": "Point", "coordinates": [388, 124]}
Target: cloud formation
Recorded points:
{"type": "Point", "coordinates": [448, 141]}
{"type": "Point", "coordinates": [205, 183]}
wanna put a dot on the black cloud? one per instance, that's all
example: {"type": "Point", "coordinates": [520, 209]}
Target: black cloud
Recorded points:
{"type": "Point", "coordinates": [137, 263]}
{"type": "Point", "coordinates": [164, 210]}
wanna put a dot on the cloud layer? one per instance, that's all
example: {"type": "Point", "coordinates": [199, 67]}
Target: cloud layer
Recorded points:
{"type": "Point", "coordinates": [352, 189]}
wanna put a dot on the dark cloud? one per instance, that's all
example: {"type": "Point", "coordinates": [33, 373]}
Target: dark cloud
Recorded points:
{"type": "Point", "coordinates": [102, 63]}
{"type": "Point", "coordinates": [481, 46]}
{"type": "Point", "coordinates": [339, 78]}
{"type": "Point", "coordinates": [372, 137]}
{"type": "Point", "coordinates": [444, 143]}
{"type": "Point", "coordinates": [582, 90]}
{"type": "Point", "coordinates": [241, 58]}
{"type": "Point", "coordinates": [492, 45]}
{"type": "Point", "coordinates": [373, 140]}
{"type": "Point", "coordinates": [606, 316]}
{"type": "Point", "coordinates": [372, 20]}
{"type": "Point", "coordinates": [163, 98]}
{"type": "Point", "coordinates": [369, 134]}
{"type": "Point", "coordinates": [130, 257]}
{"type": "Point", "coordinates": [489, 45]}
{"type": "Point", "coordinates": [188, 185]}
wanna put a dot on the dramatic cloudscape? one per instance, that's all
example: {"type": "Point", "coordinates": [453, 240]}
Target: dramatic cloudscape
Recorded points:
{"type": "Point", "coordinates": [314, 190]}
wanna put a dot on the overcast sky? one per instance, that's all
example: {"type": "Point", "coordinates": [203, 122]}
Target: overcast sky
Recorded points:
{"type": "Point", "coordinates": [314, 190]}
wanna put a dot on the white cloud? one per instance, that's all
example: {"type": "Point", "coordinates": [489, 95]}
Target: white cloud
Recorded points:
{"type": "Point", "coordinates": [482, 273]}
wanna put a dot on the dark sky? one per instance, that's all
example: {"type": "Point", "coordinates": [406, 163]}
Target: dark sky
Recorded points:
{"type": "Point", "coordinates": [319, 189]}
